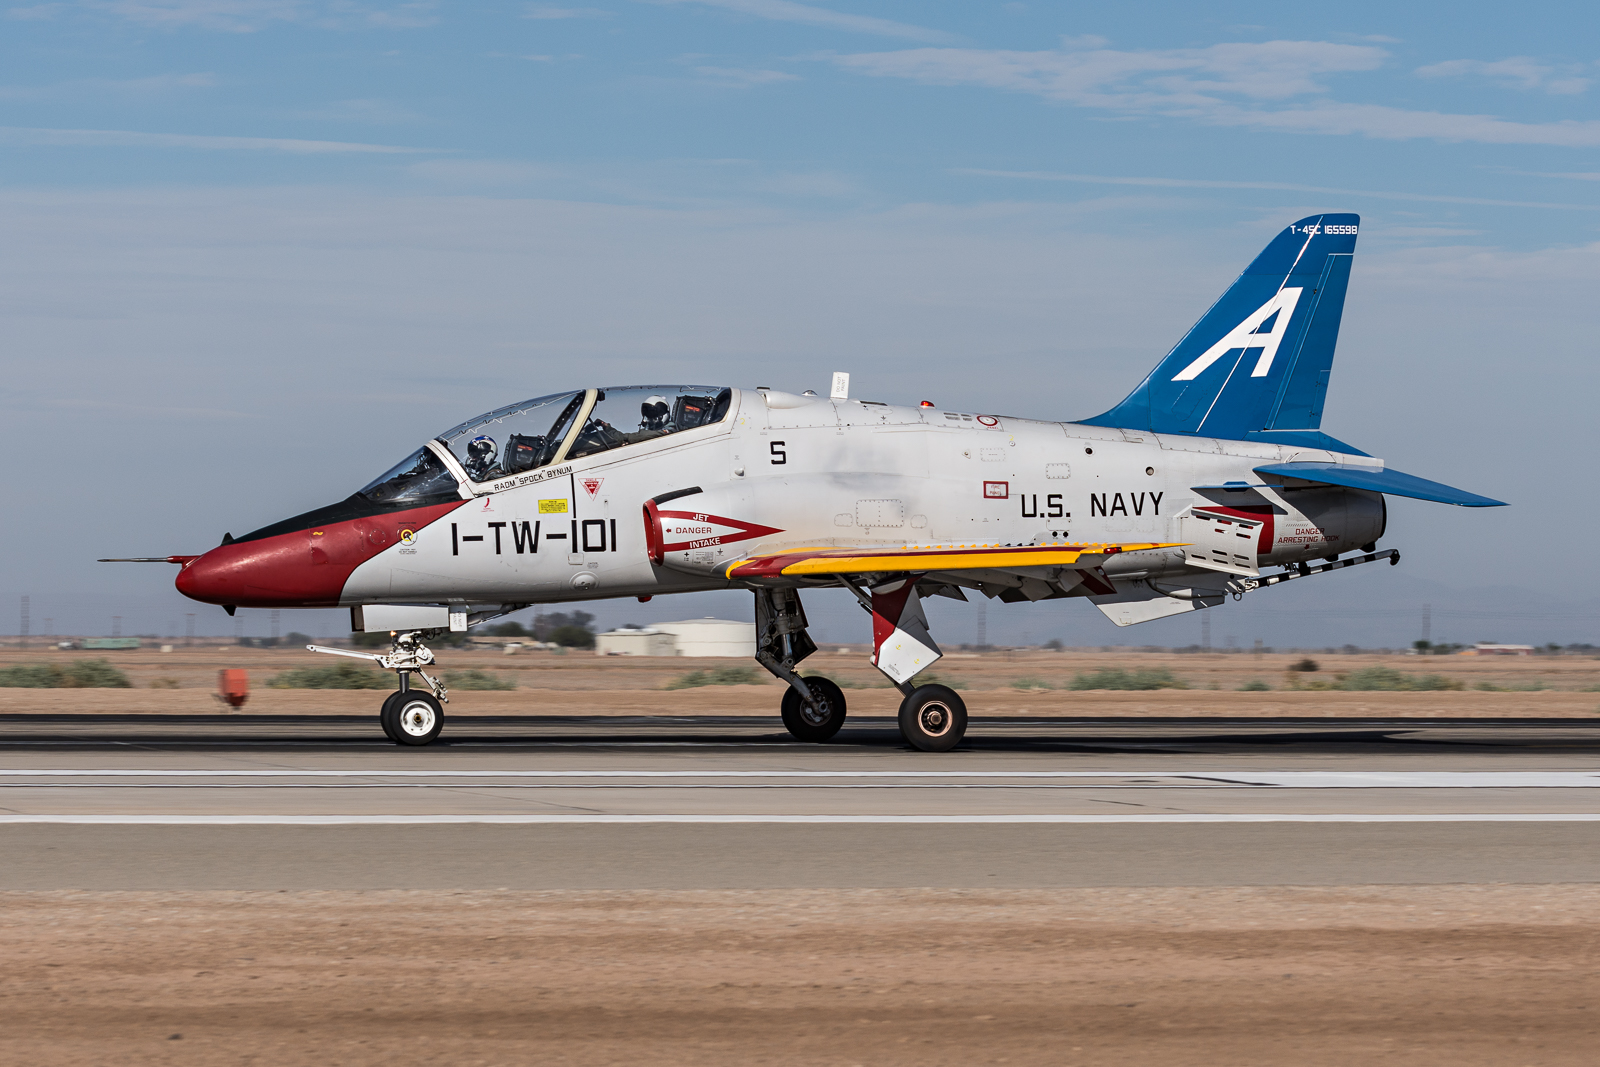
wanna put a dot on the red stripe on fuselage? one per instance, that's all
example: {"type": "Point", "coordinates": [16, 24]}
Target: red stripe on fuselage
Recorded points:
{"type": "Point", "coordinates": [304, 569]}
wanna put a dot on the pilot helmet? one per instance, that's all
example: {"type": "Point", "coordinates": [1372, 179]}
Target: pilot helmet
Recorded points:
{"type": "Point", "coordinates": [481, 451]}
{"type": "Point", "coordinates": [655, 410]}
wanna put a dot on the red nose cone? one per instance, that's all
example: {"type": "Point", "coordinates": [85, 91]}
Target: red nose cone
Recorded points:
{"type": "Point", "coordinates": [274, 572]}
{"type": "Point", "coordinates": [305, 568]}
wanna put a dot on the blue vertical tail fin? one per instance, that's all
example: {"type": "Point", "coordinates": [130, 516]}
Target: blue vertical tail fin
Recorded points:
{"type": "Point", "coordinates": [1256, 365]}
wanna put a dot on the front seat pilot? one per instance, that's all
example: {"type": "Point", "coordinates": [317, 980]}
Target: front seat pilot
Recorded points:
{"type": "Point", "coordinates": [481, 451]}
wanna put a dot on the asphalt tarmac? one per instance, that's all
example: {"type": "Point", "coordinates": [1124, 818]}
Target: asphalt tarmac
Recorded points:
{"type": "Point", "coordinates": [257, 802]}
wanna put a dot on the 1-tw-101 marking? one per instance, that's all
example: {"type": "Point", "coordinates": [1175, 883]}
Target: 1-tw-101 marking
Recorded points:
{"type": "Point", "coordinates": [589, 534]}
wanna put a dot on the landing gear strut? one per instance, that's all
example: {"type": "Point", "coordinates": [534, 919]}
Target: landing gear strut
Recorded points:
{"type": "Point", "coordinates": [813, 708]}
{"type": "Point", "coordinates": [933, 717]}
{"type": "Point", "coordinates": [409, 716]}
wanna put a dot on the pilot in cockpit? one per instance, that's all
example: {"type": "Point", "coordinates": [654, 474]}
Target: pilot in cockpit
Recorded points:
{"type": "Point", "coordinates": [481, 453]}
{"type": "Point", "coordinates": [653, 413]}
{"type": "Point", "coordinates": [654, 421]}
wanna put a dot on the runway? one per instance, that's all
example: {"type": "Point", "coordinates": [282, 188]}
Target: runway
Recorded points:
{"type": "Point", "coordinates": [250, 803]}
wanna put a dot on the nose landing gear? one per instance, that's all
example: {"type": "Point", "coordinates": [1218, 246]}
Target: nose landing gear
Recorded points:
{"type": "Point", "coordinates": [409, 716]}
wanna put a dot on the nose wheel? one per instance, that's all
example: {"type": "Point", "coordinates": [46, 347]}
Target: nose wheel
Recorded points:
{"type": "Point", "coordinates": [386, 719]}
{"type": "Point", "coordinates": [412, 718]}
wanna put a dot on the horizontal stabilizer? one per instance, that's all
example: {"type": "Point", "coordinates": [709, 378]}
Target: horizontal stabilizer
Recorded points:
{"type": "Point", "coordinates": [1379, 480]}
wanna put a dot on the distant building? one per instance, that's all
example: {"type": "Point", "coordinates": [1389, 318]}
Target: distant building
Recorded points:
{"type": "Point", "coordinates": [1482, 649]}
{"type": "Point", "coordinates": [111, 642]}
{"type": "Point", "coordinates": [712, 637]}
{"type": "Point", "coordinates": [629, 642]}
{"type": "Point", "coordinates": [692, 637]}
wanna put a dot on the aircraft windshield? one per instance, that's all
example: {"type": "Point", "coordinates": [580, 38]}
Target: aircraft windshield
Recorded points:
{"type": "Point", "coordinates": [535, 433]}
{"type": "Point", "coordinates": [418, 479]}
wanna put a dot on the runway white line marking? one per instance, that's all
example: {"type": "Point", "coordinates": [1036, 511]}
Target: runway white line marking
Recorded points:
{"type": "Point", "coordinates": [892, 820]}
{"type": "Point", "coordinates": [1281, 779]}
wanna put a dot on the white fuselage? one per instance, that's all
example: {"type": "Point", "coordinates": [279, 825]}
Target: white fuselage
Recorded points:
{"type": "Point", "coordinates": [824, 472]}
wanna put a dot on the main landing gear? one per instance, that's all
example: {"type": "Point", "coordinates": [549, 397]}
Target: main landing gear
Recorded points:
{"type": "Point", "coordinates": [409, 716]}
{"type": "Point", "coordinates": [813, 708]}
{"type": "Point", "coordinates": [932, 717]}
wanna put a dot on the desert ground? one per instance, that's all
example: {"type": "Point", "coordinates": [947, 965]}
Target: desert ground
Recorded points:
{"type": "Point", "coordinates": [1016, 682]}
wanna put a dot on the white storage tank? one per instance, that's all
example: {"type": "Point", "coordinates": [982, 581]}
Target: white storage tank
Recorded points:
{"type": "Point", "coordinates": [650, 642]}
{"type": "Point", "coordinates": [712, 637]}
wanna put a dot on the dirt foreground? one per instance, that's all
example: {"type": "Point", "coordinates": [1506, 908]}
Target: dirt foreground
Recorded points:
{"type": "Point", "coordinates": [1492, 975]}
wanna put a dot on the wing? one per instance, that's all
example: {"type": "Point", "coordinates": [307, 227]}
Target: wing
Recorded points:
{"type": "Point", "coordinates": [898, 576]}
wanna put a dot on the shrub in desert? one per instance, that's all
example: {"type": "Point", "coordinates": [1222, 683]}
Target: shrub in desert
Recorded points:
{"type": "Point", "coordinates": [476, 679]}
{"type": "Point", "coordinates": [1027, 681]}
{"type": "Point", "coordinates": [1113, 678]}
{"type": "Point", "coordinates": [333, 676]}
{"type": "Point", "coordinates": [716, 676]}
{"type": "Point", "coordinates": [1387, 679]}
{"type": "Point", "coordinates": [79, 674]}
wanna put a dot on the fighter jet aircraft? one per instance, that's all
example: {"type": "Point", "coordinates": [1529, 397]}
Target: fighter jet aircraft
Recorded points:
{"type": "Point", "coordinates": [1212, 479]}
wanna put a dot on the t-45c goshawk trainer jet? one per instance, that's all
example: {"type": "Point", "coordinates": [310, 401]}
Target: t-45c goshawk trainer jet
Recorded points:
{"type": "Point", "coordinates": [1213, 470]}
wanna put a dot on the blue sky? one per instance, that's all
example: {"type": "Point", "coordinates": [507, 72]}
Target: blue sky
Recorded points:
{"type": "Point", "coordinates": [265, 246]}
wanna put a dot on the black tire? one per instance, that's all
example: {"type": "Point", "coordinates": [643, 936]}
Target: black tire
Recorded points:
{"type": "Point", "coordinates": [933, 718]}
{"type": "Point", "coordinates": [415, 718]}
{"type": "Point", "coordinates": [385, 719]}
{"type": "Point", "coordinates": [814, 724]}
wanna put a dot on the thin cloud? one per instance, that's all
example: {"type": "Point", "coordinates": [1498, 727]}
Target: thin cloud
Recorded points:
{"type": "Point", "coordinates": [149, 410]}
{"type": "Point", "coordinates": [248, 16]}
{"type": "Point", "coordinates": [1573, 175]}
{"type": "Point", "coordinates": [158, 83]}
{"type": "Point", "coordinates": [739, 78]}
{"type": "Point", "coordinates": [543, 11]}
{"type": "Point", "coordinates": [230, 16]}
{"type": "Point", "coordinates": [31, 136]}
{"type": "Point", "coordinates": [482, 172]}
{"type": "Point", "coordinates": [1106, 77]}
{"type": "Point", "coordinates": [1222, 85]}
{"type": "Point", "coordinates": [810, 15]}
{"type": "Point", "coordinates": [368, 111]}
{"type": "Point", "coordinates": [1517, 72]}
{"type": "Point", "coordinates": [1200, 183]}
{"type": "Point", "coordinates": [1397, 124]}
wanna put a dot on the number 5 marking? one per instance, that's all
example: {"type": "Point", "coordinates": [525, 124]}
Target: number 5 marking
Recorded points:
{"type": "Point", "coordinates": [779, 456]}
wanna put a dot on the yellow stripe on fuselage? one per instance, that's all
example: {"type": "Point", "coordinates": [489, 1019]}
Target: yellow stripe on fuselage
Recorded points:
{"type": "Point", "coordinates": [976, 557]}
